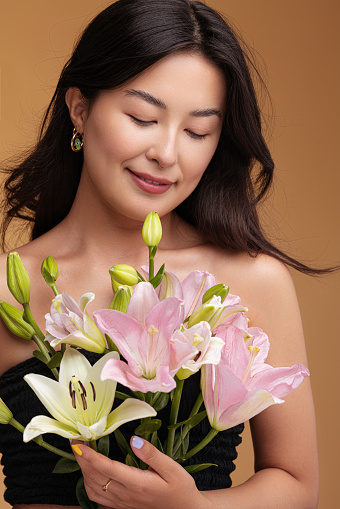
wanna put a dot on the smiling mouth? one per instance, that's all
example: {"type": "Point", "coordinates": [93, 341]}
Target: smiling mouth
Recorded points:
{"type": "Point", "coordinates": [146, 178]}
{"type": "Point", "coordinates": [150, 181]}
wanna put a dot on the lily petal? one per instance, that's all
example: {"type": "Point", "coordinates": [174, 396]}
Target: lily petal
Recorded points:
{"type": "Point", "coordinates": [194, 286]}
{"type": "Point", "coordinates": [143, 299]}
{"type": "Point", "coordinates": [129, 410]}
{"type": "Point", "coordinates": [73, 364]}
{"type": "Point", "coordinates": [42, 424]}
{"type": "Point", "coordinates": [54, 396]}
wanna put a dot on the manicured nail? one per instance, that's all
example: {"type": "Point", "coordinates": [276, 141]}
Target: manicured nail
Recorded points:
{"type": "Point", "coordinates": [77, 450]}
{"type": "Point", "coordinates": [137, 442]}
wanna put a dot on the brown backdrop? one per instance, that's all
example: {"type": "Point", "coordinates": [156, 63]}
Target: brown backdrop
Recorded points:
{"type": "Point", "coordinates": [299, 43]}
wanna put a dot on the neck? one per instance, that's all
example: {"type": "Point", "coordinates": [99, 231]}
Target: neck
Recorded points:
{"type": "Point", "coordinates": [103, 232]}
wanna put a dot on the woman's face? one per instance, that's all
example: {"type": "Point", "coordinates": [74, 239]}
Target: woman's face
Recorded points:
{"type": "Point", "coordinates": [148, 142]}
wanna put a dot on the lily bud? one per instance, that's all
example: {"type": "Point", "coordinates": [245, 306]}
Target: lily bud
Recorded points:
{"type": "Point", "coordinates": [124, 274]}
{"type": "Point", "coordinates": [18, 281]}
{"type": "Point", "coordinates": [49, 270]}
{"type": "Point", "coordinates": [209, 312]}
{"type": "Point", "coordinates": [152, 229]}
{"type": "Point", "coordinates": [121, 299]}
{"type": "Point", "coordinates": [5, 414]}
{"type": "Point", "coordinates": [219, 290]}
{"type": "Point", "coordinates": [14, 321]}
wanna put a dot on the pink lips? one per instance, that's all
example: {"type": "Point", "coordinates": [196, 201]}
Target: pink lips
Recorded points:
{"type": "Point", "coordinates": [156, 186]}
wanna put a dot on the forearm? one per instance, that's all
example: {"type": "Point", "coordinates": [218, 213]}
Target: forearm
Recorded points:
{"type": "Point", "coordinates": [268, 489]}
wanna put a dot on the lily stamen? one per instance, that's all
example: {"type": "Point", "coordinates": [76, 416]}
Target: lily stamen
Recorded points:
{"type": "Point", "coordinates": [152, 331]}
{"type": "Point", "coordinates": [254, 350]}
{"type": "Point", "coordinates": [78, 395]}
{"type": "Point", "coordinates": [93, 391]}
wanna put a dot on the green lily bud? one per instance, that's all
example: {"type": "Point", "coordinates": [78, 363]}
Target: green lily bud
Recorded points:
{"type": "Point", "coordinates": [152, 229]}
{"type": "Point", "coordinates": [124, 274]}
{"type": "Point", "coordinates": [209, 312]}
{"type": "Point", "coordinates": [121, 299]}
{"type": "Point", "coordinates": [18, 281]}
{"type": "Point", "coordinates": [49, 270]}
{"type": "Point", "coordinates": [5, 414]}
{"type": "Point", "coordinates": [219, 290]}
{"type": "Point", "coordinates": [14, 321]}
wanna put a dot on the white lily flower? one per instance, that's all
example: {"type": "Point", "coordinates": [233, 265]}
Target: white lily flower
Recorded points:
{"type": "Point", "coordinates": [81, 402]}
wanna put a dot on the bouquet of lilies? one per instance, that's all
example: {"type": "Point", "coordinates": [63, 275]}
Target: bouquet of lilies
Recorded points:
{"type": "Point", "coordinates": [156, 333]}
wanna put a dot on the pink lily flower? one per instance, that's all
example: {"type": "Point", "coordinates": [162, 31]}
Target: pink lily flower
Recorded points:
{"type": "Point", "coordinates": [70, 323]}
{"type": "Point", "coordinates": [239, 388]}
{"type": "Point", "coordinates": [143, 336]}
{"type": "Point", "coordinates": [170, 285]}
{"type": "Point", "coordinates": [207, 348]}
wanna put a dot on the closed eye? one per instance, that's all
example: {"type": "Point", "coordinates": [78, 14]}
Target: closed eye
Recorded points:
{"type": "Point", "coordinates": [138, 121]}
{"type": "Point", "coordinates": [195, 135]}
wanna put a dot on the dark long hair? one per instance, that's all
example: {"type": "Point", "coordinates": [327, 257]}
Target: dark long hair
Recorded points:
{"type": "Point", "coordinates": [121, 42]}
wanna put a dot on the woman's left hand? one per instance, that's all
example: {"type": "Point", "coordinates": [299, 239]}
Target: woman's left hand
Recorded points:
{"type": "Point", "coordinates": [165, 484]}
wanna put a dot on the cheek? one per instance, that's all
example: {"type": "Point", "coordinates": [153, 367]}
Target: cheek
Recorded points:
{"type": "Point", "coordinates": [114, 138]}
{"type": "Point", "coordinates": [198, 160]}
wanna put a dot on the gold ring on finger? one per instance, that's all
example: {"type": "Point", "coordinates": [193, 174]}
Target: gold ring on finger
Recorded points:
{"type": "Point", "coordinates": [105, 487]}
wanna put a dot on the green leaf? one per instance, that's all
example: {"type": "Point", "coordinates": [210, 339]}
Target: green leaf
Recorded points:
{"type": "Point", "coordinates": [103, 445]}
{"type": "Point", "coordinates": [39, 355]}
{"type": "Point", "coordinates": [196, 419]}
{"type": "Point", "coordinates": [184, 443]}
{"type": "Point", "coordinates": [156, 441]}
{"type": "Point", "coordinates": [140, 276]}
{"type": "Point", "coordinates": [155, 281]}
{"type": "Point", "coordinates": [55, 361]}
{"type": "Point", "coordinates": [178, 424]}
{"type": "Point", "coordinates": [192, 469]}
{"type": "Point", "coordinates": [139, 395]}
{"type": "Point", "coordinates": [129, 460]}
{"type": "Point", "coordinates": [66, 466]}
{"type": "Point", "coordinates": [148, 427]}
{"type": "Point", "coordinates": [161, 270]}
{"type": "Point", "coordinates": [122, 395]}
{"type": "Point", "coordinates": [121, 442]}
{"type": "Point", "coordinates": [110, 344]}
{"type": "Point", "coordinates": [161, 401]}
{"type": "Point", "coordinates": [82, 497]}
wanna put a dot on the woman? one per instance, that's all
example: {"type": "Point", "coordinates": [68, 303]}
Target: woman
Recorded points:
{"type": "Point", "coordinates": [160, 96]}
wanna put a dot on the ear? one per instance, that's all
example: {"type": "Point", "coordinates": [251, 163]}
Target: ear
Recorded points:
{"type": "Point", "coordinates": [78, 108]}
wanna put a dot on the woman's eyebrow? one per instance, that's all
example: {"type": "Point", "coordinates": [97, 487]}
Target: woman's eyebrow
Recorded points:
{"type": "Point", "coordinates": [207, 112]}
{"type": "Point", "coordinates": [146, 97]}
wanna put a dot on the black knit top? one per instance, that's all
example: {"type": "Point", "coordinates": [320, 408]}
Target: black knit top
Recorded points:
{"type": "Point", "coordinates": [28, 467]}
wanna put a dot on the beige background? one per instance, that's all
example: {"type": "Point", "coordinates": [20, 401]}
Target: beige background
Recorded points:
{"type": "Point", "coordinates": [299, 43]}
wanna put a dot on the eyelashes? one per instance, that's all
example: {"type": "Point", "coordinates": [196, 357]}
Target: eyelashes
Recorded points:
{"type": "Point", "coordinates": [141, 122]}
{"type": "Point", "coordinates": [145, 123]}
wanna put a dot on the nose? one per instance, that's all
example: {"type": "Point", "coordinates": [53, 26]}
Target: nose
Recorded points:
{"type": "Point", "coordinates": [163, 150]}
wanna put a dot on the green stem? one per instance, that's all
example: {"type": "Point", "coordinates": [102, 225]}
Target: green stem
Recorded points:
{"type": "Point", "coordinates": [173, 415]}
{"type": "Point", "coordinates": [151, 264]}
{"type": "Point", "coordinates": [197, 405]}
{"type": "Point", "coordinates": [55, 289]}
{"type": "Point", "coordinates": [212, 433]}
{"type": "Point", "coordinates": [42, 347]}
{"type": "Point", "coordinates": [93, 445]}
{"type": "Point", "coordinates": [30, 318]}
{"type": "Point", "coordinates": [186, 429]}
{"type": "Point", "coordinates": [38, 440]}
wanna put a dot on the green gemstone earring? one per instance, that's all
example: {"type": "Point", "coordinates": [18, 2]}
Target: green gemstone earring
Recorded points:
{"type": "Point", "coordinates": [77, 141]}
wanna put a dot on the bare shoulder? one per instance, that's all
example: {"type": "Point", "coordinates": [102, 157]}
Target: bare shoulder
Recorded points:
{"type": "Point", "coordinates": [266, 288]}
{"type": "Point", "coordinates": [256, 279]}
